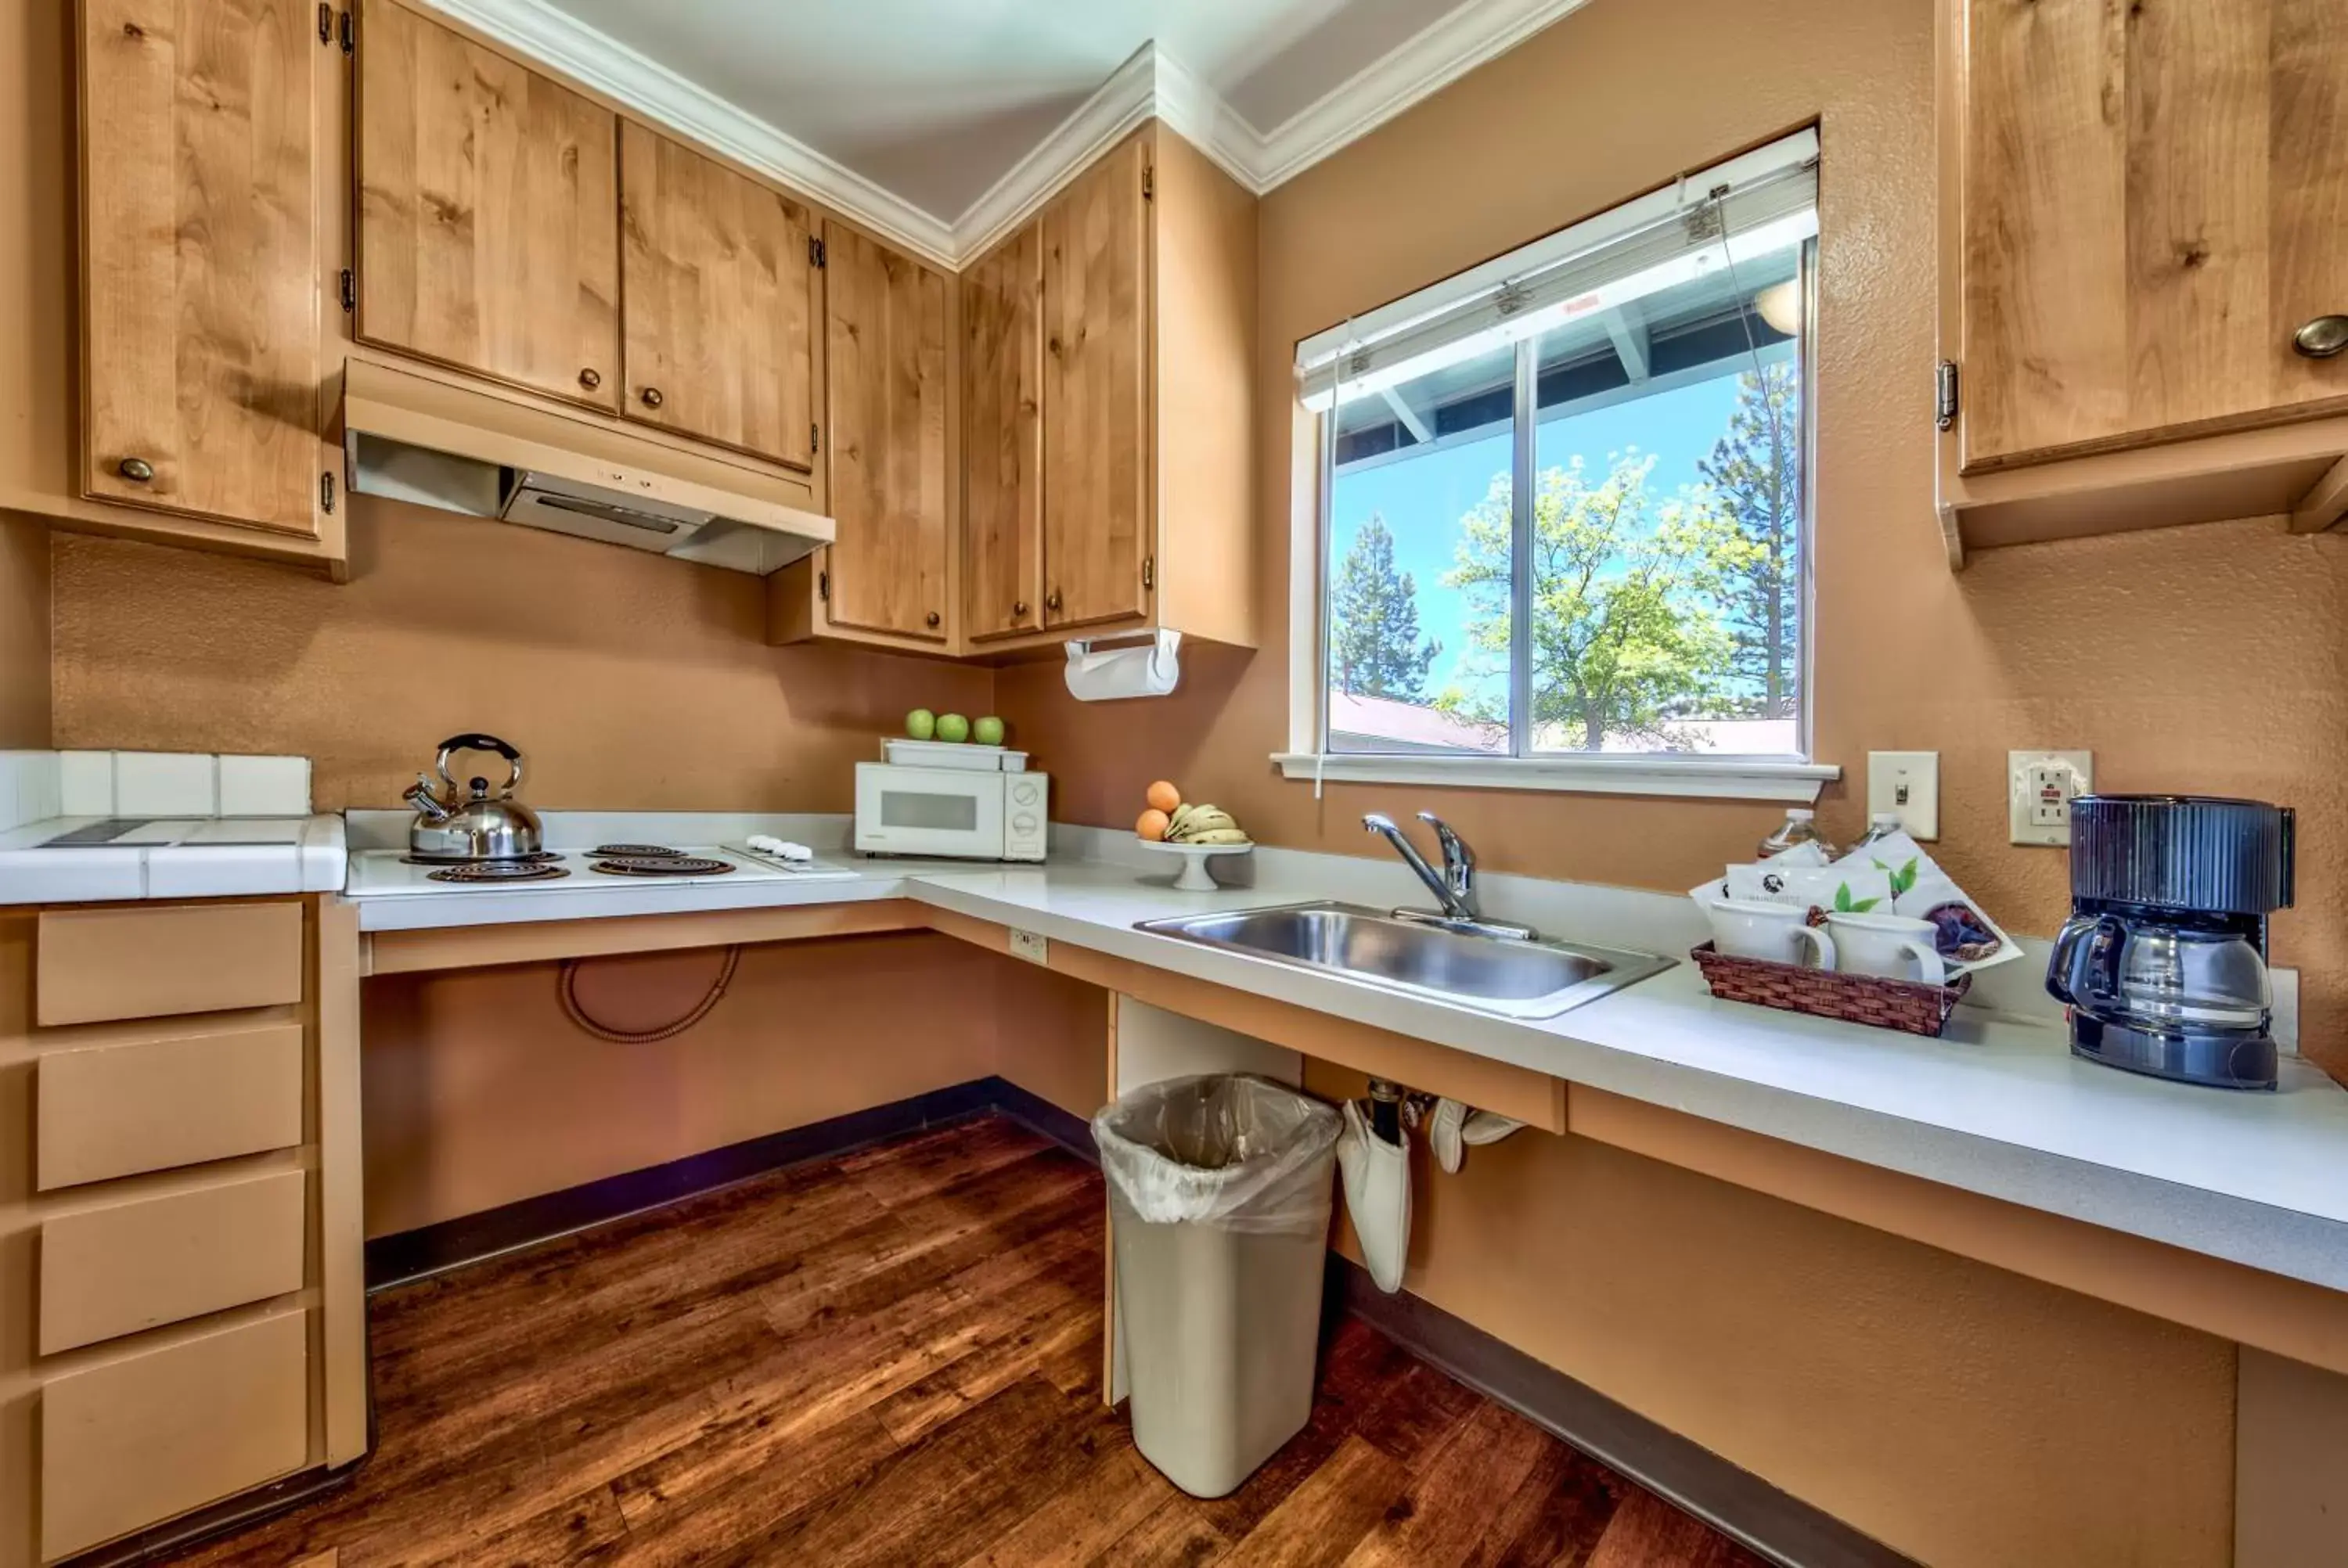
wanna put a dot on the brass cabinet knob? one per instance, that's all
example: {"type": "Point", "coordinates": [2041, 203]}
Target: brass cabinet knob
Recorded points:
{"type": "Point", "coordinates": [591, 378]}
{"type": "Point", "coordinates": [930, 618]}
{"type": "Point", "coordinates": [1051, 601]}
{"type": "Point", "coordinates": [1019, 610]}
{"type": "Point", "coordinates": [650, 397]}
{"type": "Point", "coordinates": [137, 470]}
{"type": "Point", "coordinates": [2325, 337]}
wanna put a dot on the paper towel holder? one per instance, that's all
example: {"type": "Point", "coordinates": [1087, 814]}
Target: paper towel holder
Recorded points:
{"type": "Point", "coordinates": [1077, 647]}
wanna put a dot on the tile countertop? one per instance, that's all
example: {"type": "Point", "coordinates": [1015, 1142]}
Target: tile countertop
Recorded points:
{"type": "Point", "coordinates": [1997, 1107]}
{"type": "Point", "coordinates": [171, 857]}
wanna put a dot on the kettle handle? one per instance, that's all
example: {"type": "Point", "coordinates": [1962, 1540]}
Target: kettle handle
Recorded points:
{"type": "Point", "coordinates": [2073, 954]}
{"type": "Point", "coordinates": [479, 742]}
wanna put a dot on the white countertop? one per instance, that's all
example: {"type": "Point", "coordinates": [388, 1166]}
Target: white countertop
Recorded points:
{"type": "Point", "coordinates": [197, 856]}
{"type": "Point", "coordinates": [1998, 1106]}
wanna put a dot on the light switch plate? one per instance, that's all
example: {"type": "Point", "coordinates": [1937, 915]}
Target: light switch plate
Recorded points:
{"type": "Point", "coordinates": [1907, 783]}
{"type": "Point", "coordinates": [2038, 791]}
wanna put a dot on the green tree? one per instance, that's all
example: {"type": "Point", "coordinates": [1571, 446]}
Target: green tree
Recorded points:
{"type": "Point", "coordinates": [1755, 468]}
{"type": "Point", "coordinates": [1626, 631]}
{"type": "Point", "coordinates": [1375, 649]}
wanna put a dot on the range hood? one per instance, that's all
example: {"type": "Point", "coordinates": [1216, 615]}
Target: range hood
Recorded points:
{"type": "Point", "coordinates": [414, 437]}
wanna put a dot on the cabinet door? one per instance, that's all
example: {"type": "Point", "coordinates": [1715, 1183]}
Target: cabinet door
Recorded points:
{"type": "Point", "coordinates": [719, 301]}
{"type": "Point", "coordinates": [885, 368]}
{"type": "Point", "coordinates": [2153, 199]}
{"type": "Point", "coordinates": [489, 232]}
{"type": "Point", "coordinates": [202, 259]}
{"type": "Point", "coordinates": [1003, 396]}
{"type": "Point", "coordinates": [1096, 403]}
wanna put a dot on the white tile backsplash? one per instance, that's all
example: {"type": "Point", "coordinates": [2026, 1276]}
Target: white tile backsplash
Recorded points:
{"type": "Point", "coordinates": [28, 788]}
{"type": "Point", "coordinates": [166, 784]}
{"type": "Point", "coordinates": [86, 783]}
{"type": "Point", "coordinates": [264, 786]}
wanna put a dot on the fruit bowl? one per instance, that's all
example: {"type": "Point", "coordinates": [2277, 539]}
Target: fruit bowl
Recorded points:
{"type": "Point", "coordinates": [1194, 856]}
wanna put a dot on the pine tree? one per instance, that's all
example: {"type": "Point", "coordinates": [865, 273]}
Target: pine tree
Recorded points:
{"type": "Point", "coordinates": [1373, 643]}
{"type": "Point", "coordinates": [1755, 468]}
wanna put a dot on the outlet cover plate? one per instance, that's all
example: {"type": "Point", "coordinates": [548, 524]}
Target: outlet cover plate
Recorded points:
{"type": "Point", "coordinates": [2038, 791]}
{"type": "Point", "coordinates": [1031, 946]}
{"type": "Point", "coordinates": [1907, 783]}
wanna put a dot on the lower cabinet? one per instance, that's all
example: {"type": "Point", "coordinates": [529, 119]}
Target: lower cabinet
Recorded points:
{"type": "Point", "coordinates": [128, 1442]}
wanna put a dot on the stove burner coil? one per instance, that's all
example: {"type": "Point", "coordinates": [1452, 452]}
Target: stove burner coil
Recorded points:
{"type": "Point", "coordinates": [667, 865]}
{"type": "Point", "coordinates": [636, 851]}
{"type": "Point", "coordinates": [487, 872]}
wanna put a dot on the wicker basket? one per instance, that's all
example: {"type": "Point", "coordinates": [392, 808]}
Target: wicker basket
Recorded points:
{"type": "Point", "coordinates": [1909, 1005]}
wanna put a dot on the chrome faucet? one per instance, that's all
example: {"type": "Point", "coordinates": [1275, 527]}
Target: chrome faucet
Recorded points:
{"type": "Point", "coordinates": [1454, 886]}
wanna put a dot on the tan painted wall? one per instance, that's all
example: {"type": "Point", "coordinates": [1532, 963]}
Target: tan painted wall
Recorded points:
{"type": "Point", "coordinates": [2202, 659]}
{"type": "Point", "coordinates": [1971, 1418]}
{"type": "Point", "coordinates": [24, 633]}
{"type": "Point", "coordinates": [630, 681]}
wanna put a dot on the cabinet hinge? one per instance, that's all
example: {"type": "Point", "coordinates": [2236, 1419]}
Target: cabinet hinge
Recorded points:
{"type": "Point", "coordinates": [325, 23]}
{"type": "Point", "coordinates": [349, 287]}
{"type": "Point", "coordinates": [1149, 571]}
{"type": "Point", "coordinates": [815, 437]}
{"type": "Point", "coordinates": [823, 586]}
{"type": "Point", "coordinates": [1944, 395]}
{"type": "Point", "coordinates": [815, 252]}
{"type": "Point", "coordinates": [350, 32]}
{"type": "Point", "coordinates": [327, 492]}
{"type": "Point", "coordinates": [1149, 182]}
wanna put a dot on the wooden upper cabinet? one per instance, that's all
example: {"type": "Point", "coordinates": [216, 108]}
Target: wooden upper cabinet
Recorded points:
{"type": "Point", "coordinates": [1098, 459]}
{"type": "Point", "coordinates": [2153, 201]}
{"type": "Point", "coordinates": [1003, 397]}
{"type": "Point", "coordinates": [202, 256]}
{"type": "Point", "coordinates": [488, 213]}
{"type": "Point", "coordinates": [720, 301]}
{"type": "Point", "coordinates": [885, 353]}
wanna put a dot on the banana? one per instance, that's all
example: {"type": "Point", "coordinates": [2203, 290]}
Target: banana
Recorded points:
{"type": "Point", "coordinates": [1204, 823]}
{"type": "Point", "coordinates": [1219, 835]}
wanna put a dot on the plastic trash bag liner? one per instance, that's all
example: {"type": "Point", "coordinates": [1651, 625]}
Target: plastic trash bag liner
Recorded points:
{"type": "Point", "coordinates": [1223, 1150]}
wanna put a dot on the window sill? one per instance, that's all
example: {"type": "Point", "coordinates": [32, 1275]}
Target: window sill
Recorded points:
{"type": "Point", "coordinates": [1706, 778]}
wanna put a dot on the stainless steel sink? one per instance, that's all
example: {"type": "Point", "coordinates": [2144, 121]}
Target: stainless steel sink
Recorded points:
{"type": "Point", "coordinates": [1533, 978]}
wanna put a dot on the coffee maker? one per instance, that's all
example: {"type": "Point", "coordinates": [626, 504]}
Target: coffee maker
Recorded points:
{"type": "Point", "coordinates": [2164, 960]}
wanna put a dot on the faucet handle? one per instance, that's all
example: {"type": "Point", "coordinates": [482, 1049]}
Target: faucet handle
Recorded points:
{"type": "Point", "coordinates": [1459, 859]}
{"type": "Point", "coordinates": [1378, 822]}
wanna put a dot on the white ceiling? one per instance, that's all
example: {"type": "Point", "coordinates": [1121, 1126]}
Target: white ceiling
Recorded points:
{"type": "Point", "coordinates": [936, 100]}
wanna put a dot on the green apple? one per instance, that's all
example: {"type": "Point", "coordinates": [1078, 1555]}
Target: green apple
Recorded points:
{"type": "Point", "coordinates": [953, 727]}
{"type": "Point", "coordinates": [988, 732]}
{"type": "Point", "coordinates": [921, 724]}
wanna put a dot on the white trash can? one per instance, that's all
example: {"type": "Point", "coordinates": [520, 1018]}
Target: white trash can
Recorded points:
{"type": "Point", "coordinates": [1219, 1191]}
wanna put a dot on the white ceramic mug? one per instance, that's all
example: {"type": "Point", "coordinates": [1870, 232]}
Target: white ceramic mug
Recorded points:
{"type": "Point", "coordinates": [1755, 928]}
{"type": "Point", "coordinates": [1892, 945]}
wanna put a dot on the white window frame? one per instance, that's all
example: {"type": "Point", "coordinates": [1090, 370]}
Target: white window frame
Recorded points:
{"type": "Point", "coordinates": [1467, 298]}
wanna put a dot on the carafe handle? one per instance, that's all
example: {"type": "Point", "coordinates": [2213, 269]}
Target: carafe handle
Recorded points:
{"type": "Point", "coordinates": [2068, 966]}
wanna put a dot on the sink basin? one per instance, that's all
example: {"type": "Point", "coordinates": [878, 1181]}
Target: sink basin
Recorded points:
{"type": "Point", "coordinates": [1493, 974]}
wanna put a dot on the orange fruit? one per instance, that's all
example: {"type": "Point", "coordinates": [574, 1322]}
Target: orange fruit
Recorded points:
{"type": "Point", "coordinates": [1152, 825]}
{"type": "Point", "coordinates": [1163, 796]}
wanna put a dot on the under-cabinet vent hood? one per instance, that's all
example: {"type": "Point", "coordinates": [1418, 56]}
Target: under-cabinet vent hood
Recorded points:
{"type": "Point", "coordinates": [413, 437]}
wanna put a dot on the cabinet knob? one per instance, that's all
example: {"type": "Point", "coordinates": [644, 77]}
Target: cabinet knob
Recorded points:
{"type": "Point", "coordinates": [650, 397]}
{"type": "Point", "coordinates": [1051, 601]}
{"type": "Point", "coordinates": [137, 470]}
{"type": "Point", "coordinates": [1019, 610]}
{"type": "Point", "coordinates": [2325, 337]}
{"type": "Point", "coordinates": [591, 378]}
{"type": "Point", "coordinates": [930, 618]}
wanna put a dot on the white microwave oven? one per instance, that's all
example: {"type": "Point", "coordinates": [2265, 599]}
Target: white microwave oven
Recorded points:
{"type": "Point", "coordinates": [950, 811]}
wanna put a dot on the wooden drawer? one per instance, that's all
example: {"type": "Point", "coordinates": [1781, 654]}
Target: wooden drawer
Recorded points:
{"type": "Point", "coordinates": [118, 1108]}
{"type": "Point", "coordinates": [124, 1444]}
{"type": "Point", "coordinates": [156, 1260]}
{"type": "Point", "coordinates": [145, 960]}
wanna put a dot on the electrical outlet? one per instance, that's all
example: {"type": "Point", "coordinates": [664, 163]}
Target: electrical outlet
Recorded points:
{"type": "Point", "coordinates": [2039, 789]}
{"type": "Point", "coordinates": [1907, 783]}
{"type": "Point", "coordinates": [1031, 946]}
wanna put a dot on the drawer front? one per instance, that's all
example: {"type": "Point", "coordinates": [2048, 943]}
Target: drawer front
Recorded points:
{"type": "Point", "coordinates": [111, 1110]}
{"type": "Point", "coordinates": [144, 961]}
{"type": "Point", "coordinates": [151, 1261]}
{"type": "Point", "coordinates": [129, 1443]}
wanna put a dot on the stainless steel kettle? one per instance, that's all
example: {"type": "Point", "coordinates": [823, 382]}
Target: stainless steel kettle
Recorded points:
{"type": "Point", "coordinates": [472, 824]}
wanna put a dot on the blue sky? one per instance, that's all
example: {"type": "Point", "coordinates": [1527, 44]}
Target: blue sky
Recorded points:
{"type": "Point", "coordinates": [1422, 499]}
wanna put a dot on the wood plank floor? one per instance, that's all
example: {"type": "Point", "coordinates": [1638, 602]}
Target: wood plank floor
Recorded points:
{"type": "Point", "coordinates": [893, 1358]}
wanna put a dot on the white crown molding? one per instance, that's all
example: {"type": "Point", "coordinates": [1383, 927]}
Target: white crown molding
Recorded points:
{"type": "Point", "coordinates": [1420, 66]}
{"type": "Point", "coordinates": [1150, 84]}
{"type": "Point", "coordinates": [597, 60]}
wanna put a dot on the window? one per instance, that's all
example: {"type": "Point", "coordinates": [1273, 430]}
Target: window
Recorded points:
{"type": "Point", "coordinates": [1565, 499]}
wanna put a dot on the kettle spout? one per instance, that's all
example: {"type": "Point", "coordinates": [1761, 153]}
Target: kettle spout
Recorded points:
{"type": "Point", "coordinates": [428, 805]}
